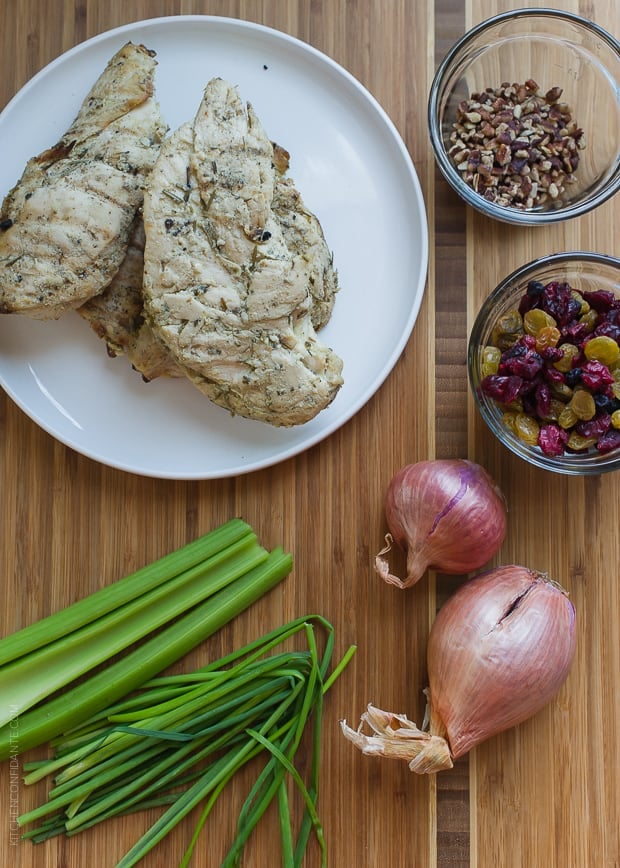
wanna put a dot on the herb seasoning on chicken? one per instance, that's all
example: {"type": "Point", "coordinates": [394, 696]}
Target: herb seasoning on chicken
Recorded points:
{"type": "Point", "coordinates": [117, 316]}
{"type": "Point", "coordinates": [65, 226]}
{"type": "Point", "coordinates": [228, 286]}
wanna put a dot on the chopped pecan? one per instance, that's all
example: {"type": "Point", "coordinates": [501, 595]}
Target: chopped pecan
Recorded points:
{"type": "Point", "coordinates": [516, 146]}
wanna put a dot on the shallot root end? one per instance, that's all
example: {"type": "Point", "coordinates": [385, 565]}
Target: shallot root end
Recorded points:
{"type": "Point", "coordinates": [382, 567]}
{"type": "Point", "coordinates": [396, 737]}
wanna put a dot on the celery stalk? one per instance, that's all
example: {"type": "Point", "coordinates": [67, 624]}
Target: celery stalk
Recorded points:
{"type": "Point", "coordinates": [107, 599]}
{"type": "Point", "coordinates": [49, 719]}
{"type": "Point", "coordinates": [31, 678]}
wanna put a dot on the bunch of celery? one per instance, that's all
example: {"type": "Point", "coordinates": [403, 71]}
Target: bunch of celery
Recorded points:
{"type": "Point", "coordinates": [180, 739]}
{"type": "Point", "coordinates": [160, 613]}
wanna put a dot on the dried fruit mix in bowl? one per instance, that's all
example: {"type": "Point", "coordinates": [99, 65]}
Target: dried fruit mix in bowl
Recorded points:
{"type": "Point", "coordinates": [553, 366]}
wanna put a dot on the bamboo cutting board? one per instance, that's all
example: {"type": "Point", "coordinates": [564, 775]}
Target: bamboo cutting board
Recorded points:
{"type": "Point", "coordinates": [546, 794]}
{"type": "Point", "coordinates": [557, 774]}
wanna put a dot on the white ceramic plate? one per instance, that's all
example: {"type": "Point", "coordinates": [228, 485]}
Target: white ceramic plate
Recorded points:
{"type": "Point", "coordinates": [353, 171]}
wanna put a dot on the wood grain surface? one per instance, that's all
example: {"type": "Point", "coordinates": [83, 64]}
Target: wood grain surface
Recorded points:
{"type": "Point", "coordinates": [546, 794]}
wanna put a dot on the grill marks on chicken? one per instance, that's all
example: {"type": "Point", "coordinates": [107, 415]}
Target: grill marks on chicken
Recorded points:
{"type": "Point", "coordinates": [236, 277]}
{"type": "Point", "coordinates": [64, 227]}
{"type": "Point", "coordinates": [231, 285]}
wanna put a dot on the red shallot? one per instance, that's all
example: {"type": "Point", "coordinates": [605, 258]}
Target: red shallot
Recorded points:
{"type": "Point", "coordinates": [499, 650]}
{"type": "Point", "coordinates": [447, 514]}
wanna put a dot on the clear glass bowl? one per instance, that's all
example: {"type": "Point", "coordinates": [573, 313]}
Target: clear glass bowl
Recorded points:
{"type": "Point", "coordinates": [584, 271]}
{"type": "Point", "coordinates": [556, 49]}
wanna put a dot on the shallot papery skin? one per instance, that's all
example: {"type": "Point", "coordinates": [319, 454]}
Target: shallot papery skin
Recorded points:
{"type": "Point", "coordinates": [447, 514]}
{"type": "Point", "coordinates": [499, 650]}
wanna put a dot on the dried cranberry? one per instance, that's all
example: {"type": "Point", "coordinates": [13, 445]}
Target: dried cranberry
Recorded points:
{"type": "Point", "coordinates": [557, 300]}
{"type": "Point", "coordinates": [601, 300]}
{"type": "Point", "coordinates": [522, 361]}
{"type": "Point", "coordinates": [551, 354]}
{"type": "Point", "coordinates": [502, 389]}
{"type": "Point", "coordinates": [552, 439]}
{"type": "Point", "coordinates": [595, 375]}
{"type": "Point", "coordinates": [609, 441]}
{"type": "Point", "coordinates": [532, 385]}
{"type": "Point", "coordinates": [594, 427]}
{"type": "Point", "coordinates": [543, 400]}
{"type": "Point", "coordinates": [552, 375]}
{"type": "Point", "coordinates": [609, 330]}
{"type": "Point", "coordinates": [574, 332]}
{"type": "Point", "coordinates": [529, 366]}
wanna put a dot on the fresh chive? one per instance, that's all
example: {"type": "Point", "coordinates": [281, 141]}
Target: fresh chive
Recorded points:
{"type": "Point", "coordinates": [121, 743]}
{"type": "Point", "coordinates": [286, 831]}
{"type": "Point", "coordinates": [172, 762]}
{"type": "Point", "coordinates": [188, 801]}
{"type": "Point", "coordinates": [273, 776]}
{"type": "Point", "coordinates": [309, 800]}
{"type": "Point", "coordinates": [339, 669]}
{"type": "Point", "coordinates": [155, 749]}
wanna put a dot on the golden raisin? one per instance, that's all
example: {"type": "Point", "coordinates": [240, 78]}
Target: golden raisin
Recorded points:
{"type": "Point", "coordinates": [578, 443]}
{"type": "Point", "coordinates": [567, 418]}
{"type": "Point", "coordinates": [555, 408]}
{"type": "Point", "coordinates": [582, 404]}
{"type": "Point", "coordinates": [509, 419]}
{"type": "Point", "coordinates": [490, 360]}
{"type": "Point", "coordinates": [566, 362]}
{"type": "Point", "coordinates": [548, 336]}
{"type": "Point", "coordinates": [507, 330]}
{"type": "Point", "coordinates": [604, 349]}
{"type": "Point", "coordinates": [589, 320]}
{"type": "Point", "coordinates": [615, 419]}
{"type": "Point", "coordinates": [515, 406]}
{"type": "Point", "coordinates": [536, 319]}
{"type": "Point", "coordinates": [527, 429]}
{"type": "Point", "coordinates": [585, 306]}
{"type": "Point", "coordinates": [561, 390]}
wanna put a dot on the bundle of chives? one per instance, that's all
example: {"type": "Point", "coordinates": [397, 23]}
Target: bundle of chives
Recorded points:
{"type": "Point", "coordinates": [162, 611]}
{"type": "Point", "coordinates": [181, 739]}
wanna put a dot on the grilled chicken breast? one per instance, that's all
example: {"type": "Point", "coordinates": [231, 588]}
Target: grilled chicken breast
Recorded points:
{"type": "Point", "coordinates": [116, 315]}
{"type": "Point", "coordinates": [64, 227]}
{"type": "Point", "coordinates": [226, 286]}
{"type": "Point", "coordinates": [303, 236]}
